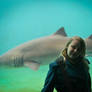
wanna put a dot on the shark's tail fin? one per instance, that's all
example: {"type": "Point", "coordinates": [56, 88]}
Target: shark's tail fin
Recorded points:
{"type": "Point", "coordinates": [90, 37]}
{"type": "Point", "coordinates": [89, 46]}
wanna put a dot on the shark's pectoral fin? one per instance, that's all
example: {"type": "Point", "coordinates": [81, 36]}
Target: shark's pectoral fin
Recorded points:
{"type": "Point", "coordinates": [32, 65]}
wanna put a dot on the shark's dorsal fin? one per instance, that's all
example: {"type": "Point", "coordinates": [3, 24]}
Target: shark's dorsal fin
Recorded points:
{"type": "Point", "coordinates": [61, 31]}
{"type": "Point", "coordinates": [90, 37]}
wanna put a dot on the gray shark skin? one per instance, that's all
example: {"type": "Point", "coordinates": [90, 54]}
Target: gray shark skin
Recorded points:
{"type": "Point", "coordinates": [40, 51]}
{"type": "Point", "coordinates": [88, 42]}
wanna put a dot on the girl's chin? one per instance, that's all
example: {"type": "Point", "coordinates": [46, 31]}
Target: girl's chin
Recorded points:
{"type": "Point", "coordinates": [73, 57]}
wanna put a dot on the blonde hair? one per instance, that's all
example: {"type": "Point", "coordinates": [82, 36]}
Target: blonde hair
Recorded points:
{"type": "Point", "coordinates": [82, 48]}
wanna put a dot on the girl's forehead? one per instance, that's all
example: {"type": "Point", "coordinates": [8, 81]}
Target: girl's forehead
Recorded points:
{"type": "Point", "coordinates": [75, 42]}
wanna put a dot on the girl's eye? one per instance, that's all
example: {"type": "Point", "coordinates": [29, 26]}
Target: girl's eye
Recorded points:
{"type": "Point", "coordinates": [73, 47]}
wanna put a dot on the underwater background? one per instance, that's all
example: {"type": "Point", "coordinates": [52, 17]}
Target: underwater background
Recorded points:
{"type": "Point", "coordinates": [24, 20]}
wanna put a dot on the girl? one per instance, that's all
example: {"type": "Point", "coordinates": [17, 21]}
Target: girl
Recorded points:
{"type": "Point", "coordinates": [70, 72]}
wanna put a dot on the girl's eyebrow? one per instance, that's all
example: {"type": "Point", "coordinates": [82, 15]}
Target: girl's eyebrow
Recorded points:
{"type": "Point", "coordinates": [75, 46]}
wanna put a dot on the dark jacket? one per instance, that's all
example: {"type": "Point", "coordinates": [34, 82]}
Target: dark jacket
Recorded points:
{"type": "Point", "coordinates": [66, 77]}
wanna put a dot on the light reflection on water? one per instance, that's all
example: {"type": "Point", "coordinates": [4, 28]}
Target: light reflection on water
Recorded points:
{"type": "Point", "coordinates": [22, 79]}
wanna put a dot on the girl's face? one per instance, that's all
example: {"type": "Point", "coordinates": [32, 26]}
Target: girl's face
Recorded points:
{"type": "Point", "coordinates": [73, 50]}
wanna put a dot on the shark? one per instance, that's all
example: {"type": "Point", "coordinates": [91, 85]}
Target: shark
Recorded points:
{"type": "Point", "coordinates": [40, 51]}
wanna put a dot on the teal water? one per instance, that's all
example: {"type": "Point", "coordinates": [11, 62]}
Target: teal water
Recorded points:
{"type": "Point", "coordinates": [24, 20]}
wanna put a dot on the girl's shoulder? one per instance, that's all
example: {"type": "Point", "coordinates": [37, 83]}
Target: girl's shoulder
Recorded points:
{"type": "Point", "coordinates": [58, 62]}
{"type": "Point", "coordinates": [86, 63]}
{"type": "Point", "coordinates": [86, 60]}
{"type": "Point", "coordinates": [53, 65]}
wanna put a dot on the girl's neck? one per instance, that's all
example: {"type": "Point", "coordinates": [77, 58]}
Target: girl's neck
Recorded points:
{"type": "Point", "coordinates": [74, 61]}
